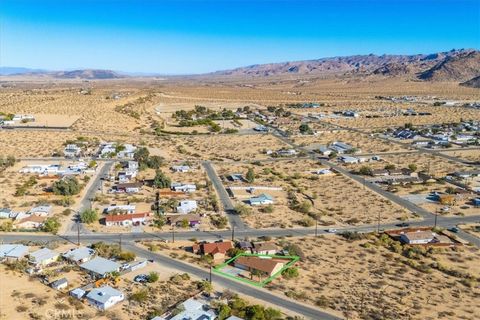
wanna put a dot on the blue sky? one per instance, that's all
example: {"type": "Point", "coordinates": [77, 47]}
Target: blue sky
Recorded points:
{"type": "Point", "coordinates": [196, 36]}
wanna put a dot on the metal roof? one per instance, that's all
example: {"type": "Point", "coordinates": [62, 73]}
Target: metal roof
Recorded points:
{"type": "Point", "coordinates": [100, 266]}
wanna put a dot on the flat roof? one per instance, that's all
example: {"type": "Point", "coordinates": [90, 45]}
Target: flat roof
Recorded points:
{"type": "Point", "coordinates": [100, 266]}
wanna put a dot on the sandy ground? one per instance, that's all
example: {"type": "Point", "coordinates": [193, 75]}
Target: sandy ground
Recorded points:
{"type": "Point", "coordinates": [361, 280]}
{"type": "Point", "coordinates": [326, 194]}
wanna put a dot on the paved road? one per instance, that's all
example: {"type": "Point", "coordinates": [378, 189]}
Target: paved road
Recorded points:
{"type": "Point", "coordinates": [85, 202]}
{"type": "Point", "coordinates": [234, 219]}
{"type": "Point", "coordinates": [258, 293]}
{"type": "Point", "coordinates": [444, 222]}
{"type": "Point", "coordinates": [469, 237]}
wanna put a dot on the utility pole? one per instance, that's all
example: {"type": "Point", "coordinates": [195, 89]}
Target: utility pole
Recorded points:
{"type": "Point", "coordinates": [173, 233]}
{"type": "Point", "coordinates": [233, 232]}
{"type": "Point", "coordinates": [316, 227]}
{"type": "Point", "coordinates": [378, 223]}
{"type": "Point", "coordinates": [120, 242]}
{"type": "Point", "coordinates": [436, 215]}
{"type": "Point", "coordinates": [78, 233]}
{"type": "Point", "coordinates": [210, 279]}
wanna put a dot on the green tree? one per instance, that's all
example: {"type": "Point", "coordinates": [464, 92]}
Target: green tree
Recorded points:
{"type": "Point", "coordinates": [250, 176]}
{"type": "Point", "coordinates": [413, 167]}
{"type": "Point", "coordinates": [390, 166]}
{"type": "Point", "coordinates": [126, 256]}
{"type": "Point", "coordinates": [66, 187]}
{"type": "Point", "coordinates": [304, 128]}
{"type": "Point", "coordinates": [161, 180]}
{"type": "Point", "coordinates": [205, 286]}
{"type": "Point", "coordinates": [159, 221]}
{"type": "Point", "coordinates": [242, 209]}
{"type": "Point", "coordinates": [88, 216]}
{"type": "Point", "coordinates": [224, 311]}
{"type": "Point", "coordinates": [153, 277]}
{"type": "Point", "coordinates": [365, 171]}
{"type": "Point", "coordinates": [51, 225]}
{"type": "Point", "coordinates": [6, 226]}
{"type": "Point", "coordinates": [184, 223]}
{"type": "Point", "coordinates": [290, 273]}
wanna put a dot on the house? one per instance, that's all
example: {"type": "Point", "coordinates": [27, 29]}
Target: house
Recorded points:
{"type": "Point", "coordinates": [41, 211]}
{"type": "Point", "coordinates": [43, 257]}
{"type": "Point", "coordinates": [264, 265]}
{"type": "Point", "coordinates": [104, 297]}
{"type": "Point", "coordinates": [182, 169]}
{"type": "Point", "coordinates": [467, 174]}
{"type": "Point", "coordinates": [341, 147]}
{"type": "Point", "coordinates": [247, 246]}
{"type": "Point", "coordinates": [128, 219]}
{"type": "Point", "coordinates": [193, 220]}
{"type": "Point", "coordinates": [183, 187]}
{"type": "Point", "coordinates": [217, 250]}
{"type": "Point", "coordinates": [79, 255]}
{"type": "Point", "coordinates": [30, 222]}
{"type": "Point", "coordinates": [192, 309]}
{"type": "Point", "coordinates": [133, 187]}
{"type": "Point", "coordinates": [323, 172]}
{"type": "Point", "coordinates": [476, 202]}
{"type": "Point", "coordinates": [59, 284]}
{"type": "Point", "coordinates": [78, 293]}
{"type": "Point", "coordinates": [119, 150]}
{"type": "Point", "coordinates": [379, 172]}
{"type": "Point", "coordinates": [417, 237]}
{"type": "Point", "coordinates": [71, 151]}
{"type": "Point", "coordinates": [5, 213]}
{"type": "Point", "coordinates": [265, 248]}
{"type": "Point", "coordinates": [100, 267]}
{"type": "Point", "coordinates": [324, 150]}
{"type": "Point", "coordinates": [286, 152]}
{"type": "Point", "coordinates": [395, 172]}
{"type": "Point", "coordinates": [236, 177]}
{"type": "Point", "coordinates": [126, 209]}
{"type": "Point", "coordinates": [12, 252]}
{"type": "Point", "coordinates": [187, 206]}
{"type": "Point", "coordinates": [348, 160]}
{"type": "Point", "coordinates": [260, 200]}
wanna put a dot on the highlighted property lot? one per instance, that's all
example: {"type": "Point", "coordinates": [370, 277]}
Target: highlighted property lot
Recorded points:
{"type": "Point", "coordinates": [255, 269]}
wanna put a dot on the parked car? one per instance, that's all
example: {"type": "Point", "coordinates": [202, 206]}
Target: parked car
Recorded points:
{"type": "Point", "coordinates": [453, 229]}
{"type": "Point", "coordinates": [402, 225]}
{"type": "Point", "coordinates": [331, 230]}
{"type": "Point", "coordinates": [141, 278]}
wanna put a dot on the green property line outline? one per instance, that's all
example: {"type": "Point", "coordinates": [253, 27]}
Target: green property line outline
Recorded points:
{"type": "Point", "coordinates": [218, 269]}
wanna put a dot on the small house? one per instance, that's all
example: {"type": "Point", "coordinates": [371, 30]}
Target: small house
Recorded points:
{"type": "Point", "coordinates": [100, 267]}
{"type": "Point", "coordinates": [265, 248]}
{"type": "Point", "coordinates": [133, 187]}
{"type": "Point", "coordinates": [79, 255]}
{"type": "Point", "coordinates": [262, 199]}
{"type": "Point", "coordinates": [59, 284]}
{"type": "Point", "coordinates": [12, 252]}
{"type": "Point", "coordinates": [417, 237]}
{"type": "Point", "coordinates": [187, 206]}
{"type": "Point", "coordinates": [71, 151]}
{"type": "Point", "coordinates": [30, 222]}
{"type": "Point", "coordinates": [181, 169]}
{"type": "Point", "coordinates": [192, 220]}
{"type": "Point", "coordinates": [349, 160]}
{"type": "Point", "coordinates": [246, 246]}
{"type": "Point", "coordinates": [183, 187]}
{"type": "Point", "coordinates": [78, 293]}
{"type": "Point", "coordinates": [124, 220]}
{"type": "Point", "coordinates": [252, 263]}
{"type": "Point", "coordinates": [217, 250]}
{"type": "Point", "coordinates": [41, 211]}
{"type": "Point", "coordinates": [104, 297]}
{"type": "Point", "coordinates": [43, 257]}
{"type": "Point", "coordinates": [126, 209]}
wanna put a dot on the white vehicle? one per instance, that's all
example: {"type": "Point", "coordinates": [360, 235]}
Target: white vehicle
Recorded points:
{"type": "Point", "coordinates": [332, 230]}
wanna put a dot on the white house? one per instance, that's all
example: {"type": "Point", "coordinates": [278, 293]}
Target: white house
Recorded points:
{"type": "Point", "coordinates": [287, 153]}
{"type": "Point", "coordinates": [5, 213]}
{"type": "Point", "coordinates": [323, 171]}
{"type": "Point", "coordinates": [129, 219]}
{"type": "Point", "coordinates": [43, 257]}
{"type": "Point", "coordinates": [324, 150]}
{"type": "Point", "coordinates": [13, 251]}
{"type": "Point", "coordinates": [261, 200]}
{"type": "Point", "coordinates": [59, 284]}
{"type": "Point", "coordinates": [71, 151]}
{"type": "Point", "coordinates": [100, 267]}
{"type": "Point", "coordinates": [29, 221]}
{"type": "Point", "coordinates": [119, 150]}
{"type": "Point", "coordinates": [104, 297]}
{"type": "Point", "coordinates": [180, 168]}
{"type": "Point", "coordinates": [417, 237]}
{"type": "Point", "coordinates": [183, 187]}
{"type": "Point", "coordinates": [341, 147]}
{"type": "Point", "coordinates": [187, 206]}
{"type": "Point", "coordinates": [126, 208]}
{"type": "Point", "coordinates": [347, 159]}
{"type": "Point", "coordinates": [41, 211]}
{"type": "Point", "coordinates": [194, 309]}
{"type": "Point", "coordinates": [79, 255]}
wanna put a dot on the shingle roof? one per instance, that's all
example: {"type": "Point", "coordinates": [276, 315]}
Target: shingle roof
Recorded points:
{"type": "Point", "coordinates": [216, 247]}
{"type": "Point", "coordinates": [265, 265]}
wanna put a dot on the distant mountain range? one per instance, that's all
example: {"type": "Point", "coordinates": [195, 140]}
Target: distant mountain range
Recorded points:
{"type": "Point", "coordinates": [455, 65]}
{"type": "Point", "coordinates": [461, 66]}
{"type": "Point", "coordinates": [90, 74]}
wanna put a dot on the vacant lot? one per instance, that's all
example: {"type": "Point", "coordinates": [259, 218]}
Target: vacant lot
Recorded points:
{"type": "Point", "coordinates": [421, 284]}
